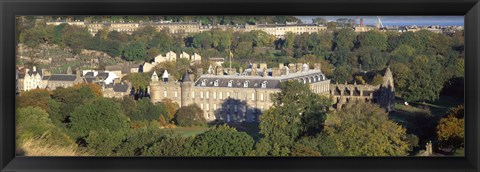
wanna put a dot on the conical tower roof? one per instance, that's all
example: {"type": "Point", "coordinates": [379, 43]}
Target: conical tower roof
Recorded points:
{"type": "Point", "coordinates": [186, 77]}
{"type": "Point", "coordinates": [154, 76]}
{"type": "Point", "coordinates": [165, 74]}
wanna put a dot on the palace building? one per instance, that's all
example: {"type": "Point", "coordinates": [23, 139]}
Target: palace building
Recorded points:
{"type": "Point", "coordinates": [243, 96]}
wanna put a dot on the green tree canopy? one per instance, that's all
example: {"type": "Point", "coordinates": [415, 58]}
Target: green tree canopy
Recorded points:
{"type": "Point", "coordinates": [223, 141]}
{"type": "Point", "coordinates": [190, 115]}
{"type": "Point", "coordinates": [102, 113]}
{"type": "Point", "coordinates": [135, 51]}
{"type": "Point", "coordinates": [363, 129]}
{"type": "Point", "coordinates": [426, 79]}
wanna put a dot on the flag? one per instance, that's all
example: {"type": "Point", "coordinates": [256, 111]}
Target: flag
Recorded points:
{"type": "Point", "coordinates": [231, 54]}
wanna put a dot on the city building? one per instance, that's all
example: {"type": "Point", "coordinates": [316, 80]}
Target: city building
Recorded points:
{"type": "Point", "coordinates": [236, 97]}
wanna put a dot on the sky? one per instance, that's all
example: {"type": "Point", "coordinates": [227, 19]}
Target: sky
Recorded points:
{"type": "Point", "coordinates": [399, 20]}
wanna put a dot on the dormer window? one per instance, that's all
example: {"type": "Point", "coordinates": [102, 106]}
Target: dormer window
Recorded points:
{"type": "Point", "coordinates": [245, 84]}
{"type": "Point", "coordinates": [230, 83]}
{"type": "Point", "coordinates": [264, 84]}
{"type": "Point", "coordinates": [204, 82]}
{"type": "Point", "coordinates": [215, 83]}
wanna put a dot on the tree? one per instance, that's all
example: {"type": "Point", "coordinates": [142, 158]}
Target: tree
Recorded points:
{"type": "Point", "coordinates": [319, 20]}
{"type": "Point", "coordinates": [138, 80]}
{"type": "Point", "coordinates": [377, 80]}
{"type": "Point", "coordinates": [296, 111]}
{"type": "Point", "coordinates": [171, 108]}
{"type": "Point", "coordinates": [190, 115]}
{"type": "Point", "coordinates": [375, 39]}
{"type": "Point", "coordinates": [403, 54]}
{"type": "Point", "coordinates": [72, 97]}
{"type": "Point", "coordinates": [371, 58]}
{"type": "Point", "coordinates": [202, 40]}
{"type": "Point", "coordinates": [138, 139]}
{"type": "Point", "coordinates": [172, 146]}
{"type": "Point", "coordinates": [34, 123]}
{"type": "Point", "coordinates": [364, 129]}
{"type": "Point", "coordinates": [75, 37]}
{"type": "Point", "coordinates": [223, 141]}
{"type": "Point", "coordinates": [341, 74]}
{"type": "Point", "coordinates": [102, 142]}
{"type": "Point", "coordinates": [135, 51]}
{"type": "Point", "coordinates": [451, 129]}
{"type": "Point", "coordinates": [401, 73]}
{"type": "Point", "coordinates": [345, 38]}
{"type": "Point", "coordinates": [426, 80]}
{"type": "Point", "coordinates": [359, 80]}
{"type": "Point", "coordinates": [100, 114]}
{"type": "Point", "coordinates": [41, 98]}
{"type": "Point", "coordinates": [147, 111]}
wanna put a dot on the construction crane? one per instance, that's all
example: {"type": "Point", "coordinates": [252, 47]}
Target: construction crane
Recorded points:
{"type": "Point", "coordinates": [379, 22]}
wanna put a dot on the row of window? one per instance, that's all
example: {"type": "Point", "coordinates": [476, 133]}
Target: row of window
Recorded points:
{"type": "Point", "coordinates": [230, 83]}
{"type": "Point", "coordinates": [220, 95]}
{"type": "Point", "coordinates": [206, 107]}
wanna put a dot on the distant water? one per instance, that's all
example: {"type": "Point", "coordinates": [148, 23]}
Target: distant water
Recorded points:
{"type": "Point", "coordinates": [425, 23]}
{"type": "Point", "coordinates": [399, 20]}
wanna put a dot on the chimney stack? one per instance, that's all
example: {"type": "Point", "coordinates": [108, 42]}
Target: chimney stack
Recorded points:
{"type": "Point", "coordinates": [276, 71]}
{"type": "Point", "coordinates": [299, 67]}
{"type": "Point", "coordinates": [219, 70]}
{"type": "Point", "coordinates": [292, 68]}
{"type": "Point", "coordinates": [254, 70]}
{"type": "Point", "coordinates": [317, 66]}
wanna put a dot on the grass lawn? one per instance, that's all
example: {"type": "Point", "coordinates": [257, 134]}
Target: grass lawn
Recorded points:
{"type": "Point", "coordinates": [188, 131]}
{"type": "Point", "coordinates": [416, 120]}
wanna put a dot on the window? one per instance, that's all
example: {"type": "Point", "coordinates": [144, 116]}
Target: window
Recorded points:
{"type": "Point", "coordinates": [228, 94]}
{"type": "Point", "coordinates": [230, 83]}
{"type": "Point", "coordinates": [193, 94]}
{"type": "Point", "coordinates": [208, 107]}
{"type": "Point", "coordinates": [164, 93]}
{"type": "Point", "coordinates": [253, 96]}
{"type": "Point", "coordinates": [264, 84]}
{"type": "Point", "coordinates": [204, 82]}
{"type": "Point", "coordinates": [221, 95]}
{"type": "Point", "coordinates": [207, 94]}
{"type": "Point", "coordinates": [201, 106]}
{"type": "Point", "coordinates": [214, 95]}
{"type": "Point", "coordinates": [176, 94]}
{"type": "Point", "coordinates": [245, 84]}
{"type": "Point", "coordinates": [201, 94]}
{"type": "Point", "coordinates": [215, 83]}
{"type": "Point", "coordinates": [214, 107]}
{"type": "Point", "coordinates": [261, 96]}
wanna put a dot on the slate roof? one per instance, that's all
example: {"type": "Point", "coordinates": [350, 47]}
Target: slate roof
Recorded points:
{"type": "Point", "coordinates": [120, 87]}
{"type": "Point", "coordinates": [102, 75]}
{"type": "Point", "coordinates": [89, 74]}
{"type": "Point", "coordinates": [237, 82]}
{"type": "Point", "coordinates": [254, 81]}
{"type": "Point", "coordinates": [186, 77]}
{"type": "Point", "coordinates": [62, 77]}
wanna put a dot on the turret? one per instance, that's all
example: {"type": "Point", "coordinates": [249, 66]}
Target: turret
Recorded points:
{"type": "Point", "coordinates": [165, 76]}
{"type": "Point", "coordinates": [154, 88]}
{"type": "Point", "coordinates": [185, 87]}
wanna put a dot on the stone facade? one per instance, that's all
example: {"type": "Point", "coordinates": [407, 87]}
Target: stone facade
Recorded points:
{"type": "Point", "coordinates": [383, 94]}
{"type": "Point", "coordinates": [232, 97]}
